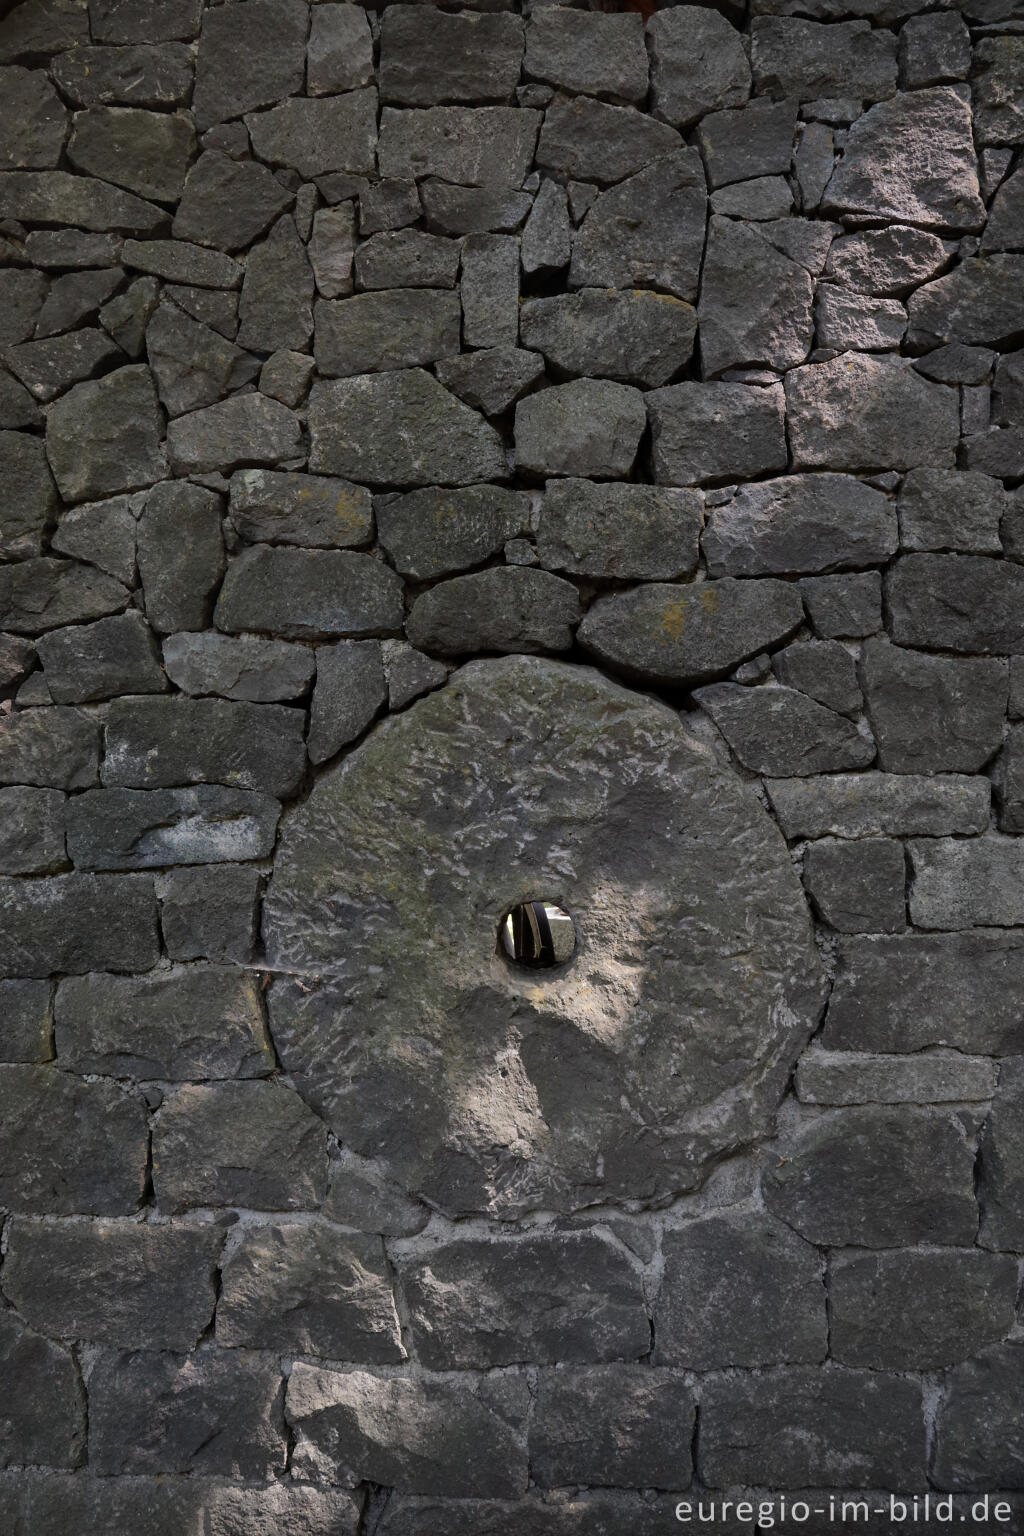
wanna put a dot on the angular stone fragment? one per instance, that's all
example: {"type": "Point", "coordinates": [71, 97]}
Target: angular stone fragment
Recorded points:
{"type": "Point", "coordinates": [592, 141]}
{"type": "Point", "coordinates": [967, 884]}
{"type": "Point", "coordinates": [406, 258]}
{"type": "Point", "coordinates": [627, 532]}
{"type": "Point", "coordinates": [241, 667]}
{"type": "Point", "coordinates": [858, 886]}
{"type": "Point", "coordinates": [708, 432]}
{"type": "Point", "coordinates": [588, 427]}
{"type": "Point", "coordinates": [58, 197]}
{"type": "Point", "coordinates": [310, 1290]}
{"type": "Point", "coordinates": [401, 328]}
{"type": "Point", "coordinates": [62, 249]}
{"type": "Point", "coordinates": [980, 302]}
{"type": "Point", "coordinates": [331, 250]}
{"type": "Point", "coordinates": [429, 56]}
{"type": "Point", "coordinates": [210, 913]}
{"type": "Point", "coordinates": [140, 75]}
{"type": "Point", "coordinates": [472, 146]}
{"type": "Point", "coordinates": [410, 673]}
{"type": "Point", "coordinates": [951, 510]}
{"type": "Point", "coordinates": [739, 1290]}
{"type": "Point", "coordinates": [648, 232]}
{"type": "Point", "coordinates": [880, 804]}
{"type": "Point", "coordinates": [886, 261]}
{"type": "Point", "coordinates": [930, 1077]}
{"type": "Point", "coordinates": [491, 380]}
{"type": "Point", "coordinates": [621, 1425]}
{"type": "Point", "coordinates": [309, 594]}
{"type": "Point", "coordinates": [29, 503]}
{"type": "Point", "coordinates": [503, 609]}
{"type": "Point", "coordinates": [181, 555]}
{"type": "Point", "coordinates": [801, 1428]}
{"type": "Point", "coordinates": [54, 748]}
{"type": "Point", "coordinates": [698, 64]}
{"type": "Point", "coordinates": [755, 304]}
{"type": "Point", "coordinates": [151, 828]}
{"type": "Point", "coordinates": [319, 135]}
{"type": "Point", "coordinates": [824, 670]}
{"type": "Point", "coordinates": [857, 322]}
{"type": "Point", "coordinates": [633, 336]}
{"type": "Point", "coordinates": [792, 57]}
{"type": "Point", "coordinates": [388, 205]}
{"type": "Point", "coordinates": [1002, 1187]}
{"type": "Point", "coordinates": [455, 210]}
{"type": "Point", "coordinates": [276, 305]}
{"type": "Point", "coordinates": [75, 923]}
{"type": "Point", "coordinates": [911, 158]}
{"type": "Point", "coordinates": [49, 367]}
{"type": "Point", "coordinates": [250, 58]}
{"type": "Point", "coordinates": [17, 658]}
{"type": "Point", "coordinates": [113, 1283]}
{"type": "Point", "coordinates": [959, 364]}
{"type": "Point", "coordinates": [999, 99]}
{"type": "Point", "coordinates": [31, 832]}
{"type": "Point", "coordinates": [800, 523]}
{"type": "Point", "coordinates": [228, 203]}
{"type": "Point", "coordinates": [1010, 779]}
{"type": "Point", "coordinates": [432, 532]}
{"type": "Point", "coordinates": [547, 235]}
{"type": "Point", "coordinates": [350, 691]}
{"type": "Point", "coordinates": [43, 1418]}
{"type": "Point", "coordinates": [147, 152]}
{"type": "Point", "coordinates": [745, 142]}
{"type": "Point", "coordinates": [869, 413]}
{"type": "Point", "coordinates": [104, 436]}
{"type": "Point", "coordinates": [490, 290]}
{"type": "Point", "coordinates": [216, 1411]}
{"type": "Point", "coordinates": [339, 54]}
{"type": "Point", "coordinates": [126, 316]}
{"type": "Point", "coordinates": [35, 122]}
{"type": "Point", "coordinates": [249, 1144]}
{"type": "Point", "coordinates": [400, 429]}
{"type": "Point", "coordinates": [192, 365]}
{"type": "Point", "coordinates": [779, 732]}
{"type": "Point", "coordinates": [933, 713]}
{"type": "Point", "coordinates": [179, 261]}
{"type": "Point", "coordinates": [136, 21]}
{"type": "Point", "coordinates": [597, 55]}
{"type": "Point", "coordinates": [308, 510]}
{"type": "Point", "coordinates": [934, 49]}
{"type": "Point", "coordinates": [155, 742]}
{"type": "Point", "coordinates": [957, 603]}
{"type": "Point", "coordinates": [998, 453]}
{"type": "Point", "coordinates": [76, 298]}
{"type": "Point", "coordinates": [97, 661]}
{"type": "Point", "coordinates": [978, 1429]}
{"type": "Point", "coordinates": [69, 1147]}
{"type": "Point", "coordinates": [248, 429]}
{"type": "Point", "coordinates": [876, 1177]}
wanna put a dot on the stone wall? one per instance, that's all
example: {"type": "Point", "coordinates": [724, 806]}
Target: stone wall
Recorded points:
{"type": "Point", "coordinates": [457, 457]}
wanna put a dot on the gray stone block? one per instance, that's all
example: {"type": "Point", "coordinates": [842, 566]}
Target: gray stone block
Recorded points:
{"type": "Point", "coordinates": [228, 203]}
{"type": "Point", "coordinates": [967, 884]}
{"type": "Point", "coordinates": [361, 1195]}
{"type": "Point", "coordinates": [471, 146]}
{"type": "Point", "coordinates": [858, 886]}
{"type": "Point", "coordinates": [794, 57]}
{"type": "Point", "coordinates": [401, 328]}
{"type": "Point", "coordinates": [869, 413]}
{"type": "Point", "coordinates": [591, 141]}
{"type": "Point", "coordinates": [247, 429]}
{"type": "Point", "coordinates": [76, 923]}
{"type": "Point", "coordinates": [741, 143]}
{"type": "Point", "coordinates": [698, 64]}
{"type": "Point", "coordinates": [249, 60]}
{"type": "Point", "coordinates": [588, 427]}
{"type": "Point", "coordinates": [824, 670]}
{"type": "Point", "coordinates": [53, 747]}
{"type": "Point", "coordinates": [619, 1426]}
{"type": "Point", "coordinates": [36, 595]}
{"type": "Point", "coordinates": [238, 667]}
{"type": "Point", "coordinates": [880, 804]}
{"type": "Point", "coordinates": [149, 829]}
{"type": "Point", "coordinates": [849, 606]}
{"type": "Point", "coordinates": [58, 197]}
{"type": "Point", "coordinates": [931, 713]}
{"type": "Point", "coordinates": [755, 303]}
{"type": "Point", "coordinates": [1002, 1181]}
{"type": "Point", "coordinates": [26, 1021]}
{"type": "Point", "coordinates": [490, 290]}
{"type": "Point", "coordinates": [179, 261]}
{"type": "Point", "coordinates": [800, 523]}
{"type": "Point", "coordinates": [309, 594]}
{"type": "Point", "coordinates": [103, 436]}
{"type": "Point", "coordinates": [146, 152]}
{"type": "Point", "coordinates": [956, 510]}
{"type": "Point", "coordinates": [929, 1077]}
{"type": "Point", "coordinates": [339, 54]}
{"type": "Point", "coordinates": [429, 56]}
{"type": "Point", "coordinates": [315, 136]}
{"type": "Point", "coordinates": [614, 531]}
{"type": "Point", "coordinates": [315, 511]}
{"type": "Point", "coordinates": [979, 1439]}
{"type": "Point", "coordinates": [704, 433]}
{"type": "Point", "coordinates": [493, 379]}
{"type": "Point", "coordinates": [210, 913]}
{"type": "Point", "coordinates": [934, 49]}
{"type": "Point", "coordinates": [503, 609]}
{"type": "Point", "coordinates": [978, 303]}
{"type": "Point", "coordinates": [648, 232]}
{"type": "Point", "coordinates": [98, 661]}
{"type": "Point", "coordinates": [780, 733]}
{"type": "Point", "coordinates": [433, 532]}
{"type": "Point", "coordinates": [31, 831]}
{"type": "Point", "coordinates": [192, 364]}
{"type": "Point", "coordinates": [957, 603]}
{"type": "Point", "coordinates": [634, 336]}
{"type": "Point", "coordinates": [42, 1422]}
{"type": "Point", "coordinates": [350, 690]}
{"type": "Point", "coordinates": [885, 262]}
{"type": "Point", "coordinates": [30, 497]}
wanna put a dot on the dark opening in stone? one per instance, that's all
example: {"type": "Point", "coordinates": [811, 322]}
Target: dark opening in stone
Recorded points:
{"type": "Point", "coordinates": [537, 933]}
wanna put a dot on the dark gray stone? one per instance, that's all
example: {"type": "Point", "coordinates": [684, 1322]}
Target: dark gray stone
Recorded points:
{"type": "Point", "coordinates": [1002, 1187]}
{"type": "Point", "coordinates": [339, 54]}
{"type": "Point", "coordinates": [597, 55]}
{"type": "Point", "coordinates": [410, 673]}
{"type": "Point", "coordinates": [139, 21]}
{"type": "Point", "coordinates": [31, 831]}
{"type": "Point", "coordinates": [999, 453]}
{"type": "Point", "coordinates": [69, 1148]}
{"type": "Point", "coordinates": [36, 595]}
{"type": "Point", "coordinates": [350, 691]}
{"type": "Point", "coordinates": [29, 506]}
{"type": "Point", "coordinates": [999, 100]}
{"type": "Point", "coordinates": [503, 609]}
{"type": "Point", "coordinates": [933, 713]}
{"type": "Point", "coordinates": [68, 248]}
{"type": "Point", "coordinates": [389, 205]}
{"type": "Point", "coordinates": [957, 603]}
{"type": "Point", "coordinates": [755, 303]}
{"type": "Point", "coordinates": [739, 1290]}
{"type": "Point", "coordinates": [308, 510]}
{"type": "Point", "coordinates": [54, 748]}
{"type": "Point", "coordinates": [250, 58]}
{"type": "Point", "coordinates": [648, 232]}
{"type": "Point", "coordinates": [35, 121]}
{"type": "Point", "coordinates": [779, 732]}
{"type": "Point", "coordinates": [587, 427]}
{"type": "Point", "coordinates": [489, 290]}
{"type": "Point", "coordinates": [547, 235]}
{"type": "Point", "coordinates": [228, 203]}
{"type": "Point", "coordinates": [708, 432]}
{"type": "Point", "coordinates": [42, 28]}
{"type": "Point", "coordinates": [180, 554]}
{"type": "Point", "coordinates": [151, 828]}
{"type": "Point", "coordinates": [461, 1437]}
{"type": "Point", "coordinates": [210, 913]}
{"type": "Point", "coordinates": [17, 657]}
{"type": "Point", "coordinates": [331, 250]}
{"type": "Point", "coordinates": [151, 743]}
{"type": "Point", "coordinates": [800, 1428]}
{"type": "Point", "coordinates": [433, 532]}
{"type": "Point", "coordinates": [1005, 228]}
{"type": "Point", "coordinates": [217, 1411]}
{"type": "Point", "coordinates": [179, 261]}
{"type": "Point", "coordinates": [276, 306]}
{"type": "Point", "coordinates": [688, 634]}
{"type": "Point", "coordinates": [876, 1176]}
{"type": "Point", "coordinates": [309, 1290]}
{"type": "Point", "coordinates": [491, 380]}
{"type": "Point", "coordinates": [104, 436]}
{"type": "Point", "coordinates": [140, 75]}
{"type": "Point", "coordinates": [406, 258]}
{"type": "Point", "coordinates": [849, 606]}
{"type": "Point", "coordinates": [401, 328]}
{"type": "Point", "coordinates": [286, 376]}
{"type": "Point", "coordinates": [800, 523]}
{"type": "Point", "coordinates": [315, 136]}
{"type": "Point", "coordinates": [471, 146]}
{"type": "Point", "coordinates": [980, 1444]}
{"type": "Point", "coordinates": [1008, 389]}
{"type": "Point", "coordinates": [26, 1021]}
{"type": "Point", "coordinates": [308, 594]}
{"type": "Point", "coordinates": [763, 198]}
{"type": "Point", "coordinates": [238, 667]}
{"type": "Point", "coordinates": [360, 1195]}
{"type": "Point", "coordinates": [98, 661]}
{"type": "Point", "coordinates": [599, 1514]}
{"type": "Point", "coordinates": [793, 57]}
{"type": "Point", "coordinates": [634, 336]}
{"type": "Point", "coordinates": [967, 884]}
{"type": "Point", "coordinates": [886, 261]}
{"type": "Point", "coordinates": [428, 57]}
{"type": "Point", "coordinates": [76, 923]}
{"type": "Point", "coordinates": [42, 1422]}
{"type": "Point", "coordinates": [979, 303]}
{"type": "Point", "coordinates": [400, 429]}
{"type": "Point", "coordinates": [858, 886]}
{"type": "Point", "coordinates": [630, 532]}
{"type": "Point", "coordinates": [621, 1426]}
{"type": "Point", "coordinates": [934, 49]}
{"type": "Point", "coordinates": [930, 1077]}
{"type": "Point", "coordinates": [455, 210]}
{"type": "Point", "coordinates": [698, 64]}
{"type": "Point", "coordinates": [17, 408]}
{"type": "Point", "coordinates": [880, 804]}
{"type": "Point", "coordinates": [58, 197]}
{"type": "Point", "coordinates": [249, 1144]}
{"type": "Point", "coordinates": [76, 298]}
{"type": "Point", "coordinates": [744, 142]}
{"type": "Point", "coordinates": [1010, 778]}
{"type": "Point", "coordinates": [911, 159]}
{"type": "Point", "coordinates": [22, 293]}
{"type": "Point", "coordinates": [192, 364]}
{"type": "Point", "coordinates": [590, 141]}
{"type": "Point", "coordinates": [146, 152]}
{"type": "Point", "coordinates": [956, 510]}
{"type": "Point", "coordinates": [958, 364]}
{"type": "Point", "coordinates": [49, 367]}
{"type": "Point", "coordinates": [113, 1282]}
{"type": "Point", "coordinates": [824, 670]}
{"type": "Point", "coordinates": [248, 429]}
{"type": "Point", "coordinates": [126, 316]}
{"type": "Point", "coordinates": [869, 413]}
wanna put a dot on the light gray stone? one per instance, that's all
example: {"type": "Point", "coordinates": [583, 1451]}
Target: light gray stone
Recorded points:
{"type": "Point", "coordinates": [589, 140]}
{"type": "Point", "coordinates": [869, 413]}
{"type": "Point", "coordinates": [886, 261]}
{"type": "Point", "coordinates": [471, 146]}
{"type": "Point", "coordinates": [967, 884]}
{"type": "Point", "coordinates": [429, 56]}
{"type": "Point", "coordinates": [410, 673]}
{"type": "Point", "coordinates": [238, 667]}
{"type": "Point", "coordinates": [933, 713]}
{"type": "Point", "coordinates": [309, 594]}
{"type": "Point", "coordinates": [400, 328]}
{"type": "Point", "coordinates": [779, 732]}
{"type": "Point", "coordinates": [587, 427]}
{"type": "Point", "coordinates": [709, 432]}
{"type": "Point", "coordinates": [625, 1426]}
{"type": "Point", "coordinates": [800, 523]}
{"type": "Point", "coordinates": [649, 231]}
{"type": "Point", "coordinates": [180, 554]}
{"type": "Point", "coordinates": [49, 367]}
{"type": "Point", "coordinates": [634, 336]}
{"type": "Point", "coordinates": [152, 828]}
{"type": "Point", "coordinates": [247, 429]}
{"type": "Point", "coordinates": [636, 532]}
{"type": "Point", "coordinates": [698, 64]}
{"type": "Point", "coordinates": [433, 532]}
{"type": "Point", "coordinates": [881, 804]}
{"type": "Point", "coordinates": [930, 1077]}
{"type": "Point", "coordinates": [848, 322]}
{"type": "Point", "coordinates": [103, 436]}
{"type": "Point", "coordinates": [858, 885]}
{"type": "Point", "coordinates": [755, 303]}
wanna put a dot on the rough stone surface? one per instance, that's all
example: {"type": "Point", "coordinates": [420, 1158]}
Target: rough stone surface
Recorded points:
{"type": "Point", "coordinates": [932, 713]}
{"type": "Point", "coordinates": [868, 413]}
{"type": "Point", "coordinates": [43, 1421]}
{"type": "Point", "coordinates": [588, 427]}
{"type": "Point", "coordinates": [54, 748]}
{"type": "Point", "coordinates": [471, 146]}
{"type": "Point", "coordinates": [151, 743]}
{"type": "Point", "coordinates": [698, 64]}
{"type": "Point", "coordinates": [428, 58]}
{"type": "Point", "coordinates": [780, 732]}
{"type": "Point", "coordinates": [755, 303]}
{"type": "Point", "coordinates": [433, 532]}
{"type": "Point", "coordinates": [636, 337]}
{"type": "Point", "coordinates": [966, 885]}
{"type": "Point", "coordinates": [962, 603]}
{"type": "Point", "coordinates": [648, 232]}
{"type": "Point", "coordinates": [97, 661]}
{"type": "Point", "coordinates": [152, 828]}
{"type": "Point", "coordinates": [308, 594]}
{"type": "Point", "coordinates": [951, 510]}
{"type": "Point", "coordinates": [800, 523]}
{"type": "Point", "coordinates": [75, 923]}
{"type": "Point", "coordinates": [619, 531]}
{"type": "Point", "coordinates": [350, 690]}
{"type": "Point", "coordinates": [858, 886]}
{"type": "Point", "coordinates": [311, 510]}
{"type": "Point", "coordinates": [979, 1439]}
{"type": "Point", "coordinates": [400, 328]}
{"type": "Point", "coordinates": [103, 436]}
{"type": "Point", "coordinates": [875, 804]}
{"type": "Point", "coordinates": [238, 667]}
{"type": "Point", "coordinates": [209, 913]}
{"type": "Point", "coordinates": [931, 1077]}
{"type": "Point", "coordinates": [31, 831]}
{"type": "Point", "coordinates": [247, 429]}
{"type": "Point", "coordinates": [709, 432]}
{"type": "Point", "coordinates": [497, 610]}
{"type": "Point", "coordinates": [612, 1425]}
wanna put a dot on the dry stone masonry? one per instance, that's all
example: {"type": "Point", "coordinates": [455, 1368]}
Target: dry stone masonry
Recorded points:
{"type": "Point", "coordinates": [456, 457]}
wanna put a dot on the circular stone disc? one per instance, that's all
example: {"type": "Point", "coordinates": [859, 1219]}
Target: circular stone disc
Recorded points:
{"type": "Point", "coordinates": [485, 1087]}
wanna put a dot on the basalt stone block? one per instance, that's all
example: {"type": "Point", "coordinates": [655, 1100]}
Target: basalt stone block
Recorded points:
{"type": "Point", "coordinates": [42, 1422]}
{"type": "Point", "coordinates": [471, 146]}
{"type": "Point", "coordinates": [389, 205]}
{"type": "Point", "coordinates": [934, 49]}
{"type": "Point", "coordinates": [858, 886]}
{"type": "Point", "coordinates": [634, 336]}
{"type": "Point", "coordinates": [275, 310]}
{"type": "Point", "coordinates": [1005, 228]}
{"type": "Point", "coordinates": [739, 1290]}
{"type": "Point", "coordinates": [22, 293]}
{"type": "Point", "coordinates": [868, 413]}
{"type": "Point", "coordinates": [980, 1444]}
{"type": "Point", "coordinates": [400, 429]}
{"type": "Point", "coordinates": [318, 135]}
{"type": "Point", "coordinates": [309, 510]}
{"type": "Point", "coordinates": [491, 380]}
{"type": "Point", "coordinates": [958, 510]}
{"type": "Point", "coordinates": [76, 298]}
{"type": "Point", "coordinates": [228, 203]}
{"type": "Point", "coordinates": [310, 1290]}
{"type": "Point", "coordinates": [400, 258]}
{"type": "Point", "coordinates": [999, 452]}
{"type": "Point", "coordinates": [1002, 1185]}
{"type": "Point", "coordinates": [54, 748]}
{"type": "Point", "coordinates": [824, 670]}
{"type": "Point", "coordinates": [410, 673]}
{"type": "Point", "coordinates": [250, 58]}
{"type": "Point", "coordinates": [589, 140]}
{"type": "Point", "coordinates": [800, 523]}
{"type": "Point", "coordinates": [31, 832]}
{"type": "Point", "coordinates": [433, 532]}
{"type": "Point", "coordinates": [595, 55]}
{"type": "Point", "coordinates": [126, 316]}
{"type": "Point", "coordinates": [879, 804]}
{"type": "Point", "coordinates": [146, 152]}
{"type": "Point", "coordinates": [309, 594]}
{"type": "Point", "coordinates": [248, 429]}
{"type": "Point", "coordinates": [180, 555]}
{"type": "Point", "coordinates": [588, 427]}
{"type": "Point", "coordinates": [50, 367]}
{"type": "Point", "coordinates": [137, 75]}
{"type": "Point", "coordinates": [755, 303]}
{"type": "Point", "coordinates": [179, 261]}
{"type": "Point", "coordinates": [35, 122]}
{"type": "Point", "coordinates": [933, 713]}
{"type": "Point", "coordinates": [69, 1147]}
{"type": "Point", "coordinates": [190, 1022]}
{"type": "Point", "coordinates": [151, 743]}
{"type": "Point", "coordinates": [978, 303]}
{"type": "Point", "coordinates": [547, 234]}
{"type": "Point", "coordinates": [75, 923]}
{"type": "Point", "coordinates": [688, 634]}
{"type": "Point", "coordinates": [216, 1412]}
{"type": "Point", "coordinates": [427, 56]}
{"type": "Point", "coordinates": [698, 64]}
{"type": "Point", "coordinates": [793, 57]}
{"type": "Point", "coordinates": [503, 609]}
{"type": "Point", "coordinates": [799, 1428]}
{"type": "Point", "coordinates": [113, 1282]}
{"type": "Point", "coordinates": [1000, 101]}
{"type": "Point", "coordinates": [400, 328]}
{"type": "Point", "coordinates": [649, 231]}
{"type": "Point", "coordinates": [249, 1144]}
{"type": "Point", "coordinates": [857, 321]}
{"type": "Point", "coordinates": [960, 884]}
{"type": "Point", "coordinates": [886, 261]}
{"type": "Point", "coordinates": [490, 290]}
{"type": "Point", "coordinates": [957, 603]}
{"type": "Point", "coordinates": [1010, 778]}
{"type": "Point", "coordinates": [29, 504]}
{"type": "Point", "coordinates": [210, 913]}
{"type": "Point", "coordinates": [17, 657]}
{"type": "Point", "coordinates": [26, 1021]}
{"type": "Point", "coordinates": [615, 1425]}
{"type": "Point", "coordinates": [151, 828]}
{"type": "Point", "coordinates": [69, 248]}
{"type": "Point", "coordinates": [849, 606]}
{"type": "Point", "coordinates": [17, 408]}
{"type": "Point", "coordinates": [876, 1176]}
{"type": "Point", "coordinates": [456, 210]}
{"type": "Point", "coordinates": [339, 54]}
{"type": "Point", "coordinates": [36, 595]}
{"type": "Point", "coordinates": [361, 1195]}
{"type": "Point", "coordinates": [238, 667]}
{"type": "Point", "coordinates": [137, 21]}
{"type": "Point", "coordinates": [741, 143]}
{"type": "Point", "coordinates": [929, 1077]}
{"type": "Point", "coordinates": [350, 690]}
{"type": "Point", "coordinates": [58, 197]}
{"type": "Point", "coordinates": [919, 1311]}
{"type": "Point", "coordinates": [103, 436]}
{"type": "Point", "coordinates": [708, 432]}
{"type": "Point", "coordinates": [911, 158]}
{"type": "Point", "coordinates": [192, 364]}
{"type": "Point", "coordinates": [98, 661]}
{"type": "Point", "coordinates": [600, 1513]}
{"type": "Point", "coordinates": [631, 532]}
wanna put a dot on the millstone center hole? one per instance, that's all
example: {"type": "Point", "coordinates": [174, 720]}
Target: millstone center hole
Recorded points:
{"type": "Point", "coordinates": [538, 934]}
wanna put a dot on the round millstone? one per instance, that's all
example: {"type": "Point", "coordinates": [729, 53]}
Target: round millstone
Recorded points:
{"type": "Point", "coordinates": [664, 1042]}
